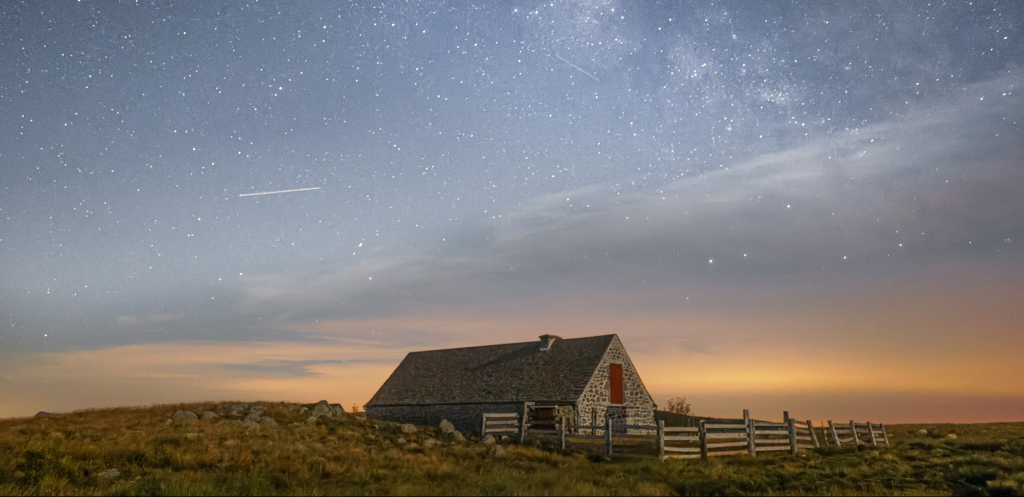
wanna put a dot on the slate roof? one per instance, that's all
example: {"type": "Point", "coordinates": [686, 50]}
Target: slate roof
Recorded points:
{"type": "Point", "coordinates": [512, 372]}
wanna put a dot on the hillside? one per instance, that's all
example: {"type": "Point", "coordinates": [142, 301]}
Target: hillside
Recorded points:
{"type": "Point", "coordinates": [347, 454]}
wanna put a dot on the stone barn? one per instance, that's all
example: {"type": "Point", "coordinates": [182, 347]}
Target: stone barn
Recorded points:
{"type": "Point", "coordinates": [581, 379]}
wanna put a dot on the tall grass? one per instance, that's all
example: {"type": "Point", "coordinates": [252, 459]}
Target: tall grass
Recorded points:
{"type": "Point", "coordinates": [71, 454]}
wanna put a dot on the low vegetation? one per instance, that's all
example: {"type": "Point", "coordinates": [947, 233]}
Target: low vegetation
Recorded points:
{"type": "Point", "coordinates": [137, 452]}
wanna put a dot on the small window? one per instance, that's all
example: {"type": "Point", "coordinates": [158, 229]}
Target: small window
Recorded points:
{"type": "Point", "coordinates": [615, 373]}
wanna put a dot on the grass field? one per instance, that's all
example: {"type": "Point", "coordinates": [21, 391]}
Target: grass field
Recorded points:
{"type": "Point", "coordinates": [350, 455]}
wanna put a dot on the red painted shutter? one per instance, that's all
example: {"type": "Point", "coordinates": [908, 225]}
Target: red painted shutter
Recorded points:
{"type": "Point", "coordinates": [616, 382]}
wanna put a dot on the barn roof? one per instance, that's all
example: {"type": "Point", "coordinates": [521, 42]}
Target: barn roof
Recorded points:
{"type": "Point", "coordinates": [511, 372]}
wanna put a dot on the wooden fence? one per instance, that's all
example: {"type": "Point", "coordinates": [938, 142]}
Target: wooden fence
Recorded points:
{"type": "Point", "coordinates": [711, 438]}
{"type": "Point", "coordinates": [504, 423]}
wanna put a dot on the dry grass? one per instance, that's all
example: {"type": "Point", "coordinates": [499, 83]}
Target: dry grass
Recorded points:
{"type": "Point", "coordinates": [68, 454]}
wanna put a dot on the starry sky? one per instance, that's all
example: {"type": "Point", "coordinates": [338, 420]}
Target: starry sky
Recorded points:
{"type": "Point", "coordinates": [809, 206]}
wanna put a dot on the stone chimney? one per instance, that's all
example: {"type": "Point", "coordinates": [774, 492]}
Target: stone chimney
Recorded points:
{"type": "Point", "coordinates": [547, 340]}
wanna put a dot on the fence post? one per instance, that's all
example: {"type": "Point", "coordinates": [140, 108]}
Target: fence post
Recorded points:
{"type": "Point", "coordinates": [608, 435]}
{"type": "Point", "coordinates": [561, 433]}
{"type": "Point", "coordinates": [853, 430]}
{"type": "Point", "coordinates": [483, 426]}
{"type": "Point", "coordinates": [702, 432]}
{"type": "Point", "coordinates": [884, 434]}
{"type": "Point", "coordinates": [835, 436]}
{"type": "Point", "coordinates": [814, 438]}
{"type": "Point", "coordinates": [751, 447]}
{"type": "Point", "coordinates": [785, 417]}
{"type": "Point", "coordinates": [661, 439]}
{"type": "Point", "coordinates": [522, 425]}
{"type": "Point", "coordinates": [792, 434]}
{"type": "Point", "coordinates": [871, 430]}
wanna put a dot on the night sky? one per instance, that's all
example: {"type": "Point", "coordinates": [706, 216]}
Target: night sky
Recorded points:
{"type": "Point", "coordinates": [810, 206]}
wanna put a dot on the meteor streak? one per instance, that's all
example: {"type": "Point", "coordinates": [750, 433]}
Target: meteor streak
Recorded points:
{"type": "Point", "coordinates": [279, 191]}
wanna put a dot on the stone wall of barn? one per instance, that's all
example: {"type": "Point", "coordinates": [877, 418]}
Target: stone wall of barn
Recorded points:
{"type": "Point", "coordinates": [466, 417]}
{"type": "Point", "coordinates": [594, 404]}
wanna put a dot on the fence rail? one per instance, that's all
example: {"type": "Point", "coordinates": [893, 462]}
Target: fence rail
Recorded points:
{"type": "Point", "coordinates": [722, 437]}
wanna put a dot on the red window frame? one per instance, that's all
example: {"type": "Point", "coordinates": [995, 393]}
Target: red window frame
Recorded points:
{"type": "Point", "coordinates": [615, 383]}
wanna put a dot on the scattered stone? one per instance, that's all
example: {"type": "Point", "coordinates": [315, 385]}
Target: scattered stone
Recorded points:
{"type": "Point", "coordinates": [169, 421]}
{"type": "Point", "coordinates": [407, 428]}
{"type": "Point", "coordinates": [411, 446]}
{"type": "Point", "coordinates": [446, 427]}
{"type": "Point", "coordinates": [922, 431]}
{"type": "Point", "coordinates": [322, 408]}
{"type": "Point", "coordinates": [303, 410]}
{"type": "Point", "coordinates": [207, 415]}
{"type": "Point", "coordinates": [110, 474]}
{"type": "Point", "coordinates": [951, 436]}
{"type": "Point", "coordinates": [267, 421]}
{"type": "Point", "coordinates": [187, 417]}
{"type": "Point", "coordinates": [311, 420]}
{"type": "Point", "coordinates": [338, 410]}
{"type": "Point", "coordinates": [191, 436]}
{"type": "Point", "coordinates": [400, 441]}
{"type": "Point", "coordinates": [294, 424]}
{"type": "Point", "coordinates": [428, 443]}
{"type": "Point", "coordinates": [489, 440]}
{"type": "Point", "coordinates": [496, 451]}
{"type": "Point", "coordinates": [457, 436]}
{"type": "Point", "coordinates": [237, 410]}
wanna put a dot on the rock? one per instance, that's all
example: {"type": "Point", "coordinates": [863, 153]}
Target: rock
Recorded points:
{"type": "Point", "coordinates": [311, 420]}
{"type": "Point", "coordinates": [237, 410]}
{"type": "Point", "coordinates": [267, 421]}
{"type": "Point", "coordinates": [322, 408]}
{"type": "Point", "coordinates": [110, 474]}
{"type": "Point", "coordinates": [303, 410]}
{"type": "Point", "coordinates": [922, 431]}
{"type": "Point", "coordinates": [428, 443]}
{"type": "Point", "coordinates": [411, 446]}
{"type": "Point", "coordinates": [252, 417]}
{"type": "Point", "coordinates": [446, 427]}
{"type": "Point", "coordinates": [496, 451]}
{"type": "Point", "coordinates": [407, 428]}
{"type": "Point", "coordinates": [43, 414]}
{"type": "Point", "coordinates": [951, 436]}
{"type": "Point", "coordinates": [338, 410]}
{"type": "Point", "coordinates": [186, 417]}
{"type": "Point", "coordinates": [457, 436]}
{"type": "Point", "coordinates": [489, 440]}
{"type": "Point", "coordinates": [191, 436]}
{"type": "Point", "coordinates": [400, 441]}
{"type": "Point", "coordinates": [207, 415]}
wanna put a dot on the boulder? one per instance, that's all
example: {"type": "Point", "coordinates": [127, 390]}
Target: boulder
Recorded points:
{"type": "Point", "coordinates": [496, 451]}
{"type": "Point", "coordinates": [207, 415]}
{"type": "Point", "coordinates": [951, 436]}
{"type": "Point", "coordinates": [457, 436]}
{"type": "Point", "coordinates": [400, 441]}
{"type": "Point", "coordinates": [324, 409]}
{"type": "Point", "coordinates": [407, 428]}
{"type": "Point", "coordinates": [110, 474]}
{"type": "Point", "coordinates": [252, 417]}
{"type": "Point", "coordinates": [922, 431]}
{"type": "Point", "coordinates": [488, 440]}
{"type": "Point", "coordinates": [267, 421]}
{"type": "Point", "coordinates": [411, 446]}
{"type": "Point", "coordinates": [43, 414]}
{"type": "Point", "coordinates": [428, 443]}
{"type": "Point", "coordinates": [446, 427]}
{"type": "Point", "coordinates": [237, 410]}
{"type": "Point", "coordinates": [186, 417]}
{"type": "Point", "coordinates": [338, 410]}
